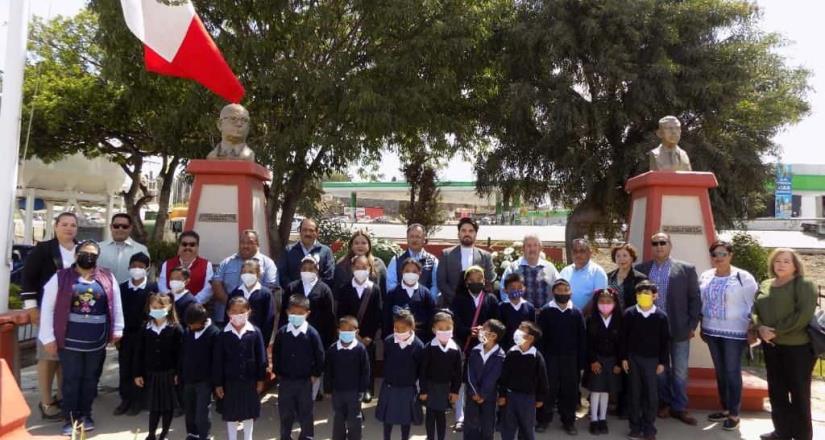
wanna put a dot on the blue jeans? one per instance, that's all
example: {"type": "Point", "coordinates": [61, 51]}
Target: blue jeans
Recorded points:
{"type": "Point", "coordinates": [81, 373]}
{"type": "Point", "coordinates": [673, 384]}
{"type": "Point", "coordinates": [727, 362]}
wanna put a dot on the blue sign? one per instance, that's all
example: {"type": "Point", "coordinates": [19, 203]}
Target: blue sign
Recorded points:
{"type": "Point", "coordinates": [784, 191]}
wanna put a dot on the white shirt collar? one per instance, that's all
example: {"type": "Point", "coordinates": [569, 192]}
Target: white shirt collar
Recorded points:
{"type": "Point", "coordinates": [248, 327]}
{"type": "Point", "coordinates": [152, 325]}
{"type": "Point", "coordinates": [248, 292]}
{"type": "Point", "coordinates": [410, 289]}
{"type": "Point", "coordinates": [180, 295]}
{"type": "Point", "coordinates": [522, 261]}
{"type": "Point", "coordinates": [308, 251]}
{"type": "Point", "coordinates": [142, 285]}
{"type": "Point", "coordinates": [299, 330]}
{"type": "Point", "coordinates": [205, 326]}
{"type": "Point", "coordinates": [606, 321]}
{"type": "Point", "coordinates": [531, 351]}
{"type": "Point", "coordinates": [553, 304]}
{"type": "Point", "coordinates": [359, 288]}
{"type": "Point", "coordinates": [451, 345]}
{"type": "Point", "coordinates": [651, 311]}
{"type": "Point", "coordinates": [485, 356]}
{"type": "Point", "coordinates": [518, 305]}
{"type": "Point", "coordinates": [341, 346]}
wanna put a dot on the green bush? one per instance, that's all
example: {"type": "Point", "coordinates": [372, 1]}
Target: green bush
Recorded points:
{"type": "Point", "coordinates": [15, 303]}
{"type": "Point", "coordinates": [161, 251]}
{"type": "Point", "coordinates": [331, 231]}
{"type": "Point", "coordinates": [748, 254]}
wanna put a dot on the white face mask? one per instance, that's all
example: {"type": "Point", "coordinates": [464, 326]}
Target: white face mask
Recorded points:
{"type": "Point", "coordinates": [518, 337]}
{"type": "Point", "coordinates": [360, 275]}
{"type": "Point", "coordinates": [177, 285]}
{"type": "Point", "coordinates": [249, 279]}
{"type": "Point", "coordinates": [309, 277]}
{"type": "Point", "coordinates": [410, 278]}
{"type": "Point", "coordinates": [137, 273]}
{"type": "Point", "coordinates": [238, 320]}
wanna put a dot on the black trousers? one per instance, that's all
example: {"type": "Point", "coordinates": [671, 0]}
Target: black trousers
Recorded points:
{"type": "Point", "coordinates": [563, 378]}
{"type": "Point", "coordinates": [347, 415]}
{"type": "Point", "coordinates": [644, 395]}
{"type": "Point", "coordinates": [295, 403]}
{"type": "Point", "coordinates": [197, 398]}
{"type": "Point", "coordinates": [128, 391]}
{"type": "Point", "coordinates": [789, 369]}
{"type": "Point", "coordinates": [479, 420]}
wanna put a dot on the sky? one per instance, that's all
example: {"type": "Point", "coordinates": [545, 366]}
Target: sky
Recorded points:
{"type": "Point", "coordinates": [799, 21]}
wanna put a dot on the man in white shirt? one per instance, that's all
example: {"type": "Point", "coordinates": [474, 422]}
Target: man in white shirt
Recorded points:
{"type": "Point", "coordinates": [115, 253]}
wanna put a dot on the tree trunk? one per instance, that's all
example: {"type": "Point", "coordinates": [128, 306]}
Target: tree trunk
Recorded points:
{"type": "Point", "coordinates": [132, 201]}
{"type": "Point", "coordinates": [279, 233]}
{"type": "Point", "coordinates": [167, 175]}
{"type": "Point", "coordinates": [579, 224]}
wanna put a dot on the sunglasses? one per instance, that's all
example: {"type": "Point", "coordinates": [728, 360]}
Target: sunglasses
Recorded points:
{"type": "Point", "coordinates": [658, 243]}
{"type": "Point", "coordinates": [721, 254]}
{"type": "Point", "coordinates": [120, 226]}
{"type": "Point", "coordinates": [189, 244]}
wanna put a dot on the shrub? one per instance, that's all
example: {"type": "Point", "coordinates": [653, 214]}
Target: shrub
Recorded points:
{"type": "Point", "coordinates": [749, 255]}
{"type": "Point", "coordinates": [161, 251]}
{"type": "Point", "coordinates": [15, 303]}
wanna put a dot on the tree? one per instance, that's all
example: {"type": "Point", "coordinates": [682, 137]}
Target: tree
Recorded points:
{"type": "Point", "coordinates": [419, 169]}
{"type": "Point", "coordinates": [582, 84]}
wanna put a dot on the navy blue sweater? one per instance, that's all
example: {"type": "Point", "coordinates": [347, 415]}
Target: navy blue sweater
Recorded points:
{"type": "Point", "coordinates": [401, 365]}
{"type": "Point", "coordinates": [134, 306]}
{"type": "Point", "coordinates": [182, 304]}
{"type": "Point", "coordinates": [464, 309]}
{"type": "Point", "coordinates": [263, 312]}
{"type": "Point", "coordinates": [421, 305]}
{"type": "Point", "coordinates": [482, 377]}
{"type": "Point", "coordinates": [524, 373]}
{"type": "Point", "coordinates": [298, 357]}
{"type": "Point", "coordinates": [349, 303]}
{"type": "Point", "coordinates": [238, 359]}
{"type": "Point", "coordinates": [440, 367]}
{"type": "Point", "coordinates": [197, 355]}
{"type": "Point", "coordinates": [347, 369]}
{"type": "Point", "coordinates": [563, 333]}
{"type": "Point", "coordinates": [512, 318]}
{"type": "Point", "coordinates": [646, 337]}
{"type": "Point", "coordinates": [321, 308]}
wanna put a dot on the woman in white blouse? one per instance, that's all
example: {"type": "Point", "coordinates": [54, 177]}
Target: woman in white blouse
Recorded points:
{"type": "Point", "coordinates": [727, 299]}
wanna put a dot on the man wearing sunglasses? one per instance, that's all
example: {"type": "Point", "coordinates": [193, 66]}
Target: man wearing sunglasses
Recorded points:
{"type": "Point", "coordinates": [200, 269]}
{"type": "Point", "coordinates": [680, 299]}
{"type": "Point", "coordinates": [116, 253]}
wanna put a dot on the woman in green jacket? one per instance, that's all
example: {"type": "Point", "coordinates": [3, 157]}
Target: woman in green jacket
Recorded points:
{"type": "Point", "coordinates": [782, 310]}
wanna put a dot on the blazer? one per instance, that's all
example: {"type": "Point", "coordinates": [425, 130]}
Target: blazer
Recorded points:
{"type": "Point", "coordinates": [450, 276]}
{"type": "Point", "coordinates": [43, 262]}
{"type": "Point", "coordinates": [684, 301]}
{"type": "Point", "coordinates": [627, 293]}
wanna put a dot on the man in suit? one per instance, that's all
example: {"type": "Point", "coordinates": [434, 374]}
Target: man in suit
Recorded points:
{"type": "Point", "coordinates": [450, 274]}
{"type": "Point", "coordinates": [680, 299]}
{"type": "Point", "coordinates": [289, 266]}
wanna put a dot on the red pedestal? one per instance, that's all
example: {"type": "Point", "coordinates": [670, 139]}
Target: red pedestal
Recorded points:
{"type": "Point", "coordinates": [227, 198]}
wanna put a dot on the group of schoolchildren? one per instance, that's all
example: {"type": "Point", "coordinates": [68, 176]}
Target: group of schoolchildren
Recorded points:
{"type": "Point", "coordinates": [506, 366]}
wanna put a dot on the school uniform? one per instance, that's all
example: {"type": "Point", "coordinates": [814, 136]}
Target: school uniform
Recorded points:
{"type": "Point", "coordinates": [418, 301]}
{"type": "Point", "coordinates": [512, 316]}
{"type": "Point", "coordinates": [350, 300]}
{"type": "Point", "coordinates": [321, 306]}
{"type": "Point", "coordinates": [239, 363]}
{"type": "Point", "coordinates": [298, 356]}
{"type": "Point", "coordinates": [261, 307]}
{"type": "Point", "coordinates": [564, 348]}
{"type": "Point", "coordinates": [182, 301]}
{"type": "Point", "coordinates": [197, 355]}
{"type": "Point", "coordinates": [397, 403]}
{"type": "Point", "coordinates": [346, 377]}
{"type": "Point", "coordinates": [523, 383]}
{"type": "Point", "coordinates": [603, 339]}
{"type": "Point", "coordinates": [483, 372]}
{"type": "Point", "coordinates": [645, 344]}
{"type": "Point", "coordinates": [133, 300]}
{"type": "Point", "coordinates": [440, 373]}
{"type": "Point", "coordinates": [157, 362]}
{"type": "Point", "coordinates": [464, 310]}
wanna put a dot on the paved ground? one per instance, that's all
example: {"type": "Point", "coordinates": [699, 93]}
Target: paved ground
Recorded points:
{"type": "Point", "coordinates": [134, 427]}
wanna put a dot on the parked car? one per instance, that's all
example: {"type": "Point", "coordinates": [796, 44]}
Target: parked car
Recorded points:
{"type": "Point", "coordinates": [19, 253]}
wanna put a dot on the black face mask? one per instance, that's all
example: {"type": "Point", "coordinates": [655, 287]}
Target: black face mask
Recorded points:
{"type": "Point", "coordinates": [561, 299]}
{"type": "Point", "coordinates": [475, 288]}
{"type": "Point", "coordinates": [86, 260]}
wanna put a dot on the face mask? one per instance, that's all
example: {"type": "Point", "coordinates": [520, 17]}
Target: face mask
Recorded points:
{"type": "Point", "coordinates": [444, 335]}
{"type": "Point", "coordinates": [400, 337]}
{"type": "Point", "coordinates": [606, 309]}
{"type": "Point", "coordinates": [308, 277]}
{"type": "Point", "coordinates": [238, 320]}
{"type": "Point", "coordinates": [137, 273]}
{"type": "Point", "coordinates": [86, 260]}
{"type": "Point", "coordinates": [360, 276]}
{"type": "Point", "coordinates": [410, 278]}
{"type": "Point", "coordinates": [475, 288]}
{"type": "Point", "coordinates": [177, 285]}
{"type": "Point", "coordinates": [157, 313]}
{"type": "Point", "coordinates": [644, 300]}
{"type": "Point", "coordinates": [561, 299]}
{"type": "Point", "coordinates": [515, 294]}
{"type": "Point", "coordinates": [249, 279]}
{"type": "Point", "coordinates": [346, 337]}
{"type": "Point", "coordinates": [518, 337]}
{"type": "Point", "coordinates": [482, 337]}
{"type": "Point", "coordinates": [297, 320]}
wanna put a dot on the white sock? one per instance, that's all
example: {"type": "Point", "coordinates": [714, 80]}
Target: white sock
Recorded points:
{"type": "Point", "coordinates": [248, 425]}
{"type": "Point", "coordinates": [603, 406]}
{"type": "Point", "coordinates": [231, 430]}
{"type": "Point", "coordinates": [595, 399]}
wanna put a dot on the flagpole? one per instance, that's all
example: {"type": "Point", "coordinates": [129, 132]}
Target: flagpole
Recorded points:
{"type": "Point", "coordinates": [10, 110]}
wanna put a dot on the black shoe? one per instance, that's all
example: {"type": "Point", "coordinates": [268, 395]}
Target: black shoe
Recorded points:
{"type": "Point", "coordinates": [541, 427]}
{"type": "Point", "coordinates": [178, 412]}
{"type": "Point", "coordinates": [730, 424]}
{"type": "Point", "coordinates": [603, 427]}
{"type": "Point", "coordinates": [635, 435]}
{"type": "Point", "coordinates": [122, 408]}
{"type": "Point", "coordinates": [135, 409]}
{"type": "Point", "coordinates": [571, 430]}
{"type": "Point", "coordinates": [595, 429]}
{"type": "Point", "coordinates": [717, 417]}
{"type": "Point", "coordinates": [367, 397]}
{"type": "Point", "coordinates": [772, 436]}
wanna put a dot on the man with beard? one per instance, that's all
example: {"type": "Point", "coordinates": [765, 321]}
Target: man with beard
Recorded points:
{"type": "Point", "coordinates": [457, 259]}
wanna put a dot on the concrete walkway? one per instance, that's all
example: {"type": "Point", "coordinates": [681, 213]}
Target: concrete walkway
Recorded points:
{"type": "Point", "coordinates": [134, 427]}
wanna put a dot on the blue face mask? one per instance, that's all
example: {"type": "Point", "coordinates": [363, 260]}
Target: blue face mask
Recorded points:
{"type": "Point", "coordinates": [297, 320]}
{"type": "Point", "coordinates": [157, 313]}
{"type": "Point", "coordinates": [515, 293]}
{"type": "Point", "coordinates": [346, 337]}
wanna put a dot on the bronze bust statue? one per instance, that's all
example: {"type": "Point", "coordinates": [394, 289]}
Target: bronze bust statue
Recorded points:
{"type": "Point", "coordinates": [668, 156]}
{"type": "Point", "coordinates": [234, 126]}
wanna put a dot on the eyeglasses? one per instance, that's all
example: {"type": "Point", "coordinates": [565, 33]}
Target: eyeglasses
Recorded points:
{"type": "Point", "coordinates": [720, 254]}
{"type": "Point", "coordinates": [188, 244]}
{"type": "Point", "coordinates": [658, 243]}
{"type": "Point", "coordinates": [235, 119]}
{"type": "Point", "coordinates": [120, 226]}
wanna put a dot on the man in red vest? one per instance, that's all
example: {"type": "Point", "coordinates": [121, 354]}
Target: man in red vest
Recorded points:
{"type": "Point", "coordinates": [200, 269]}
